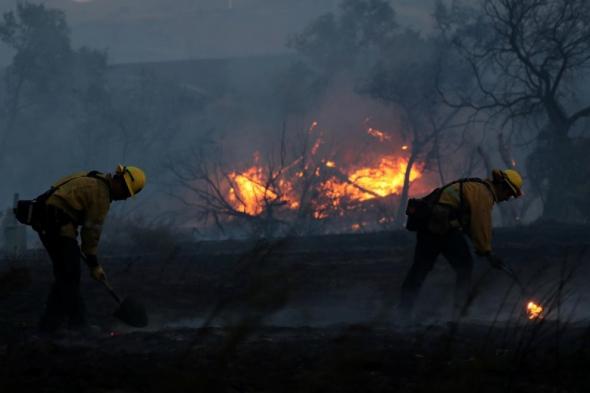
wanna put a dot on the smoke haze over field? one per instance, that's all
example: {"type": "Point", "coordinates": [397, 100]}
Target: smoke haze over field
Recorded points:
{"type": "Point", "coordinates": [238, 86]}
{"type": "Point", "coordinates": [156, 30]}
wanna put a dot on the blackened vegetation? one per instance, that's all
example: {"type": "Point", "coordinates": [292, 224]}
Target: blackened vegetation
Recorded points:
{"type": "Point", "coordinates": [313, 314]}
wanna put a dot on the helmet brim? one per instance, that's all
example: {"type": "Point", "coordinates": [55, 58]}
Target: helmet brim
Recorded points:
{"type": "Point", "coordinates": [515, 191]}
{"type": "Point", "coordinates": [129, 187]}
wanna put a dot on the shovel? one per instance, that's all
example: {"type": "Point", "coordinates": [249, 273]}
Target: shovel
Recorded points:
{"type": "Point", "coordinates": [130, 311]}
{"type": "Point", "coordinates": [533, 311]}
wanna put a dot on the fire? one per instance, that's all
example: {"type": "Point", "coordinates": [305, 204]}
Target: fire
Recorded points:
{"type": "Point", "coordinates": [405, 147]}
{"type": "Point", "coordinates": [534, 310]}
{"type": "Point", "coordinates": [367, 183]}
{"type": "Point", "coordinates": [378, 134]}
{"type": "Point", "coordinates": [251, 191]}
{"type": "Point", "coordinates": [320, 215]}
{"type": "Point", "coordinates": [338, 190]}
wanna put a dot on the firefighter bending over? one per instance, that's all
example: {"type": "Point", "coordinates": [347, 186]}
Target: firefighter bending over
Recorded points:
{"type": "Point", "coordinates": [463, 207]}
{"type": "Point", "coordinates": [77, 203]}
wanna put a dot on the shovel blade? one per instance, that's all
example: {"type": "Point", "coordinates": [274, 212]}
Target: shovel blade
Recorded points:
{"type": "Point", "coordinates": [132, 313]}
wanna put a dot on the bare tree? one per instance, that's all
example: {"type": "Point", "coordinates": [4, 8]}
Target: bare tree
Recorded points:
{"type": "Point", "coordinates": [271, 198]}
{"type": "Point", "coordinates": [401, 69]}
{"type": "Point", "coordinates": [406, 77]}
{"type": "Point", "coordinates": [47, 78]}
{"type": "Point", "coordinates": [527, 57]}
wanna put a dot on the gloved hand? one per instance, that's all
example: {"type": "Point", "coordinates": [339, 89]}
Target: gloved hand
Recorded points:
{"type": "Point", "coordinates": [97, 272]}
{"type": "Point", "coordinates": [495, 261]}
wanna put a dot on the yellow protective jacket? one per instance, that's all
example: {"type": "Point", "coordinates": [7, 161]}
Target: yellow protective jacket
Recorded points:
{"type": "Point", "coordinates": [476, 220]}
{"type": "Point", "coordinates": [86, 200]}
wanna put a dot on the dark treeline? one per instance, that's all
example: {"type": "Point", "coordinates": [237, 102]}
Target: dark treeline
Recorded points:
{"type": "Point", "coordinates": [65, 109]}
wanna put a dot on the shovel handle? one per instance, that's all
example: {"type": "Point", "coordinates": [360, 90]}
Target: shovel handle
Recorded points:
{"type": "Point", "coordinates": [111, 290]}
{"type": "Point", "coordinates": [105, 283]}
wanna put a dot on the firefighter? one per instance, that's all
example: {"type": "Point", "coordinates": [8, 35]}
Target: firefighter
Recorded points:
{"type": "Point", "coordinates": [464, 207]}
{"type": "Point", "coordinates": [78, 203]}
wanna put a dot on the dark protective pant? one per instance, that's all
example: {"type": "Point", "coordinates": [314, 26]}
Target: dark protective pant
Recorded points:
{"type": "Point", "coordinates": [64, 302]}
{"type": "Point", "coordinates": [453, 246]}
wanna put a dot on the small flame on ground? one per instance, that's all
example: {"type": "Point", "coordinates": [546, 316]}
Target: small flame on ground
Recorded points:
{"type": "Point", "coordinates": [330, 164]}
{"type": "Point", "coordinates": [534, 310]}
{"type": "Point", "coordinates": [405, 147]}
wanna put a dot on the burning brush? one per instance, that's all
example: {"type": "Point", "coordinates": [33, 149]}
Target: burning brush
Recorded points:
{"type": "Point", "coordinates": [534, 311]}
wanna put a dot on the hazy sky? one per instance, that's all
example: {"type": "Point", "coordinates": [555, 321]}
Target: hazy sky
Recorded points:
{"type": "Point", "coordinates": [155, 30]}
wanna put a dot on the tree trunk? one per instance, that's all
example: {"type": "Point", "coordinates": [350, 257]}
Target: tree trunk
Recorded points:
{"type": "Point", "coordinates": [401, 210]}
{"type": "Point", "coordinates": [560, 168]}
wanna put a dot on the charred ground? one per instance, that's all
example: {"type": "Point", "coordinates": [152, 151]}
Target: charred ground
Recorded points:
{"type": "Point", "coordinates": [310, 314]}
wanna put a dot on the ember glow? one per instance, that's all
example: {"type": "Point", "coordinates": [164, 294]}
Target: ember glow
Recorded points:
{"type": "Point", "coordinates": [313, 126]}
{"type": "Point", "coordinates": [534, 310]}
{"type": "Point", "coordinates": [316, 147]}
{"type": "Point", "coordinates": [379, 134]}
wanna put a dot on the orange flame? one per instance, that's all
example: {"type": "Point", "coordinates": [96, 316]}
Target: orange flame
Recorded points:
{"type": "Point", "coordinates": [251, 191]}
{"type": "Point", "coordinates": [320, 215]}
{"type": "Point", "coordinates": [534, 310]}
{"type": "Point", "coordinates": [367, 183]}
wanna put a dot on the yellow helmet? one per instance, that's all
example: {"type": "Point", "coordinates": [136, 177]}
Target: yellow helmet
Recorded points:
{"type": "Point", "coordinates": [514, 181]}
{"type": "Point", "coordinates": [134, 178]}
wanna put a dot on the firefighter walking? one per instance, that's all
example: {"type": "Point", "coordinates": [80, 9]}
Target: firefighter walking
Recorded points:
{"type": "Point", "coordinates": [463, 207]}
{"type": "Point", "coordinates": [78, 203]}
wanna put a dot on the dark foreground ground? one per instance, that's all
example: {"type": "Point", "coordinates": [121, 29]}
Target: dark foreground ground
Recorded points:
{"type": "Point", "coordinates": [310, 315]}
